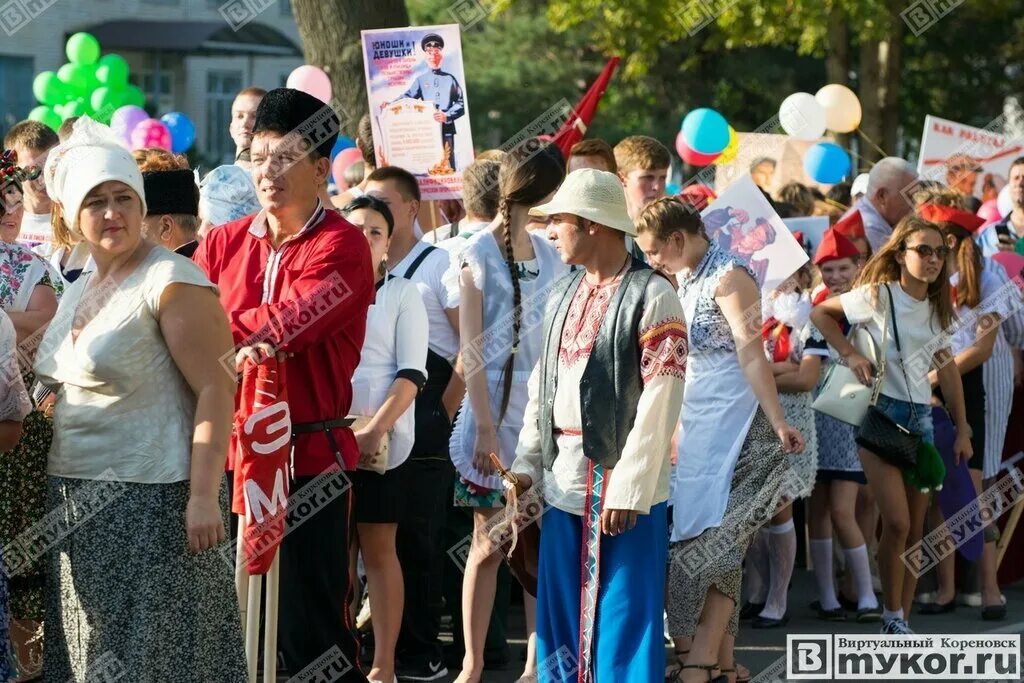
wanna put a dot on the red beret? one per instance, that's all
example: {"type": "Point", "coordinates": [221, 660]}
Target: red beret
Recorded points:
{"type": "Point", "coordinates": [851, 225]}
{"type": "Point", "coordinates": [834, 246]}
{"type": "Point", "coordinates": [937, 213]}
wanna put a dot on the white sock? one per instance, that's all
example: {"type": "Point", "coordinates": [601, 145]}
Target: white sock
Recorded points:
{"type": "Point", "coordinates": [857, 563]}
{"type": "Point", "coordinates": [889, 615]}
{"type": "Point", "coordinates": [781, 556]}
{"type": "Point", "coordinates": [756, 573]}
{"type": "Point", "coordinates": [821, 556]}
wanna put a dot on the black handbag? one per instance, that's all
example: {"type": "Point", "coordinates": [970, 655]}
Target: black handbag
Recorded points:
{"type": "Point", "coordinates": [879, 433]}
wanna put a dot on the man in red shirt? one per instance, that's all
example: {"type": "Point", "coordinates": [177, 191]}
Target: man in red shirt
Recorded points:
{"type": "Point", "coordinates": [295, 279]}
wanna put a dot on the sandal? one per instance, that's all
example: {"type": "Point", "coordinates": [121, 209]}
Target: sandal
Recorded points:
{"type": "Point", "coordinates": [745, 679]}
{"type": "Point", "coordinates": [708, 668]}
{"type": "Point", "coordinates": [672, 670]}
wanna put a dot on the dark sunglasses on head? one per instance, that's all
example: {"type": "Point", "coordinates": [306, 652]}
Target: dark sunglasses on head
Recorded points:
{"type": "Point", "coordinates": [925, 251]}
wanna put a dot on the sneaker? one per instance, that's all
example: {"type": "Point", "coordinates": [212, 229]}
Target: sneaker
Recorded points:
{"type": "Point", "coordinates": [895, 627]}
{"type": "Point", "coordinates": [433, 670]}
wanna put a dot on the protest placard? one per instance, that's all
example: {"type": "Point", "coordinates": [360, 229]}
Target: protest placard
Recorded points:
{"type": "Point", "coordinates": [975, 160]}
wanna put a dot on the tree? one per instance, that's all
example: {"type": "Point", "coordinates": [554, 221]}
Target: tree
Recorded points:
{"type": "Point", "coordinates": [330, 40]}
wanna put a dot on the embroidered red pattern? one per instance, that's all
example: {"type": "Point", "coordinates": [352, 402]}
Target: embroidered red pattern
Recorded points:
{"type": "Point", "coordinates": [663, 349]}
{"type": "Point", "coordinates": [586, 312]}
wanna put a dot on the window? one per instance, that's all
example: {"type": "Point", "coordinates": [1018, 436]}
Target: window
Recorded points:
{"type": "Point", "coordinates": [16, 99]}
{"type": "Point", "coordinates": [161, 93]}
{"type": "Point", "coordinates": [221, 88]}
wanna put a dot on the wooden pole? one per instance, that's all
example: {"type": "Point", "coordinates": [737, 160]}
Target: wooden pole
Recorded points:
{"type": "Point", "coordinates": [270, 629]}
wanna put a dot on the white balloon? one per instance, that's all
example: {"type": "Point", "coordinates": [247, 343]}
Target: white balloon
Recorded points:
{"type": "Point", "coordinates": [1003, 201]}
{"type": "Point", "coordinates": [842, 108]}
{"type": "Point", "coordinates": [802, 117]}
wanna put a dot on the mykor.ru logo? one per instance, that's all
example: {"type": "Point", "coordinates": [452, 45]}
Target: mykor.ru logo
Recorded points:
{"type": "Point", "coordinates": [905, 657]}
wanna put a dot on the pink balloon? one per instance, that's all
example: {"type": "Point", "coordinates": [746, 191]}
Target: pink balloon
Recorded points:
{"type": "Point", "coordinates": [989, 211]}
{"type": "Point", "coordinates": [690, 156]}
{"type": "Point", "coordinates": [1011, 261]}
{"type": "Point", "coordinates": [124, 120]}
{"type": "Point", "coordinates": [151, 133]}
{"type": "Point", "coordinates": [345, 158]}
{"type": "Point", "coordinates": [312, 80]}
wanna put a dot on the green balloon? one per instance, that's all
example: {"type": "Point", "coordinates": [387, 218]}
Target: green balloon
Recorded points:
{"type": "Point", "coordinates": [133, 95]}
{"type": "Point", "coordinates": [74, 77]}
{"type": "Point", "coordinates": [46, 115]}
{"type": "Point", "coordinates": [112, 71]}
{"type": "Point", "coordinates": [105, 101]}
{"type": "Point", "coordinates": [83, 48]}
{"type": "Point", "coordinates": [48, 88]}
{"type": "Point", "coordinates": [74, 108]}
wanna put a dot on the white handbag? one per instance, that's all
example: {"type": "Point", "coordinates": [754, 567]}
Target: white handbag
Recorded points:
{"type": "Point", "coordinates": [842, 395]}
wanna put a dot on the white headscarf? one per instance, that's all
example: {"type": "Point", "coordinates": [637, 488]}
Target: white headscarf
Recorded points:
{"type": "Point", "coordinates": [90, 156]}
{"type": "Point", "coordinates": [226, 194]}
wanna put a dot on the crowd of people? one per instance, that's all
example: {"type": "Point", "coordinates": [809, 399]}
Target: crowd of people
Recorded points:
{"type": "Point", "coordinates": [571, 335]}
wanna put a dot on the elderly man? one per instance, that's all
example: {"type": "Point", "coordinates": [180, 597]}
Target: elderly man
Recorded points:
{"type": "Point", "coordinates": [603, 401]}
{"type": "Point", "coordinates": [887, 199]}
{"type": "Point", "coordinates": [296, 279]}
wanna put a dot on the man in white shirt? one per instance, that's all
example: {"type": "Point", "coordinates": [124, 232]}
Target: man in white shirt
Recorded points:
{"type": "Point", "coordinates": [604, 399]}
{"type": "Point", "coordinates": [32, 142]}
{"type": "Point", "coordinates": [887, 199]}
{"type": "Point", "coordinates": [420, 548]}
{"type": "Point", "coordinates": [1004, 235]}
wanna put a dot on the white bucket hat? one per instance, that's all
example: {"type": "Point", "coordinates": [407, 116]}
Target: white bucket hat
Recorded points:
{"type": "Point", "coordinates": [860, 185]}
{"type": "Point", "coordinates": [595, 195]}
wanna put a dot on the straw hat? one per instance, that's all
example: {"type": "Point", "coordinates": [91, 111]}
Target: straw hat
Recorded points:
{"type": "Point", "coordinates": [595, 195]}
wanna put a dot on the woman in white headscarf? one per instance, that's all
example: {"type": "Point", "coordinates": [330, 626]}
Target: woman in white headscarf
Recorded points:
{"type": "Point", "coordinates": [225, 194]}
{"type": "Point", "coordinates": [142, 421]}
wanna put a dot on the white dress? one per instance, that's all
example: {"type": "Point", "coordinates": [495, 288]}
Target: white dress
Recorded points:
{"type": "Point", "coordinates": [489, 352]}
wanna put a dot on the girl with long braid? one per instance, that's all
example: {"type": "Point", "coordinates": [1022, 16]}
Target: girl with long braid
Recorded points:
{"type": "Point", "coordinates": [505, 274]}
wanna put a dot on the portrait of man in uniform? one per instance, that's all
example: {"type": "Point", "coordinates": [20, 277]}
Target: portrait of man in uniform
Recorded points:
{"type": "Point", "coordinates": [440, 88]}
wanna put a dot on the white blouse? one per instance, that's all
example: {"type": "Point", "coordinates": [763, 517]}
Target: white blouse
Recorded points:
{"type": "Point", "coordinates": [395, 345]}
{"type": "Point", "coordinates": [122, 404]}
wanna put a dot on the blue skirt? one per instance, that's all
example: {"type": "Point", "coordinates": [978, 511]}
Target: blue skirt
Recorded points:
{"type": "Point", "coordinates": [629, 645]}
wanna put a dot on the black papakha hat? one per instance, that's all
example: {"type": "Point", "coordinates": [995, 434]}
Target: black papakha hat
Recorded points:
{"type": "Point", "coordinates": [313, 123]}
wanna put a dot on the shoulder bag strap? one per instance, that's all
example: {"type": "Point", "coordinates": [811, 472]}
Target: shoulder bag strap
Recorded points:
{"type": "Point", "coordinates": [883, 351]}
{"type": "Point", "coordinates": [899, 350]}
{"type": "Point", "coordinates": [411, 270]}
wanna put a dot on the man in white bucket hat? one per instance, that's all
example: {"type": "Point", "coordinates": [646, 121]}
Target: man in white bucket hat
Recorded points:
{"type": "Point", "coordinates": [604, 399]}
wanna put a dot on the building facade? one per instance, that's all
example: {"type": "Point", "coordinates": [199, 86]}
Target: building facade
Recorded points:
{"type": "Point", "coordinates": [191, 56]}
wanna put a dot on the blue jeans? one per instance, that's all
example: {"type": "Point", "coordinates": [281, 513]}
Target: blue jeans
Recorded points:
{"type": "Point", "coordinates": [901, 412]}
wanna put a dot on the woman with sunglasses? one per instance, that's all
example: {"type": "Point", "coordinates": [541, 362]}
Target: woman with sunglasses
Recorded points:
{"type": "Point", "coordinates": [908, 276]}
{"type": "Point", "coordinates": [979, 299]}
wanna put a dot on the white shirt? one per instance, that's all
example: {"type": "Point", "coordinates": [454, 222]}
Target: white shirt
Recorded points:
{"type": "Point", "coordinates": [122, 403]}
{"type": "Point", "coordinates": [921, 337]}
{"type": "Point", "coordinates": [396, 340]}
{"type": "Point", "coordinates": [35, 228]}
{"type": "Point", "coordinates": [429, 278]}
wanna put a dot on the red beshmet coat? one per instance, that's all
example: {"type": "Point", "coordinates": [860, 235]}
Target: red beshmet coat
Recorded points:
{"type": "Point", "coordinates": [309, 299]}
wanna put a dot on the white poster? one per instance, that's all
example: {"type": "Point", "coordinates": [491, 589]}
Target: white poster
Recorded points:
{"type": "Point", "coordinates": [742, 221]}
{"type": "Point", "coordinates": [966, 158]}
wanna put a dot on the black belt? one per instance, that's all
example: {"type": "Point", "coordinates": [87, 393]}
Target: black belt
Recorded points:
{"type": "Point", "coordinates": [324, 426]}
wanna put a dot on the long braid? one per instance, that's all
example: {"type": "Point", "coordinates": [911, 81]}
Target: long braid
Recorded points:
{"type": "Point", "coordinates": [517, 309]}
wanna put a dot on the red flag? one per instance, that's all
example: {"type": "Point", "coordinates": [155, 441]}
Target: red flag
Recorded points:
{"type": "Point", "coordinates": [263, 427]}
{"type": "Point", "coordinates": [575, 127]}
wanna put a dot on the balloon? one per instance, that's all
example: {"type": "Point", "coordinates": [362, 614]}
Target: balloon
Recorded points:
{"type": "Point", "coordinates": [802, 117]}
{"type": "Point", "coordinates": [672, 189]}
{"type": "Point", "coordinates": [82, 48]}
{"type": "Point", "coordinates": [74, 108]}
{"type": "Point", "coordinates": [827, 162]}
{"type": "Point", "coordinates": [989, 211]}
{"type": "Point", "coordinates": [342, 143]}
{"type": "Point", "coordinates": [689, 156]}
{"type": "Point", "coordinates": [133, 95]}
{"type": "Point", "coordinates": [183, 131]}
{"type": "Point", "coordinates": [112, 71]}
{"type": "Point", "coordinates": [46, 115]}
{"type": "Point", "coordinates": [74, 77]}
{"type": "Point", "coordinates": [312, 80]}
{"type": "Point", "coordinates": [345, 158]}
{"type": "Point", "coordinates": [151, 133]}
{"type": "Point", "coordinates": [842, 108]}
{"type": "Point", "coordinates": [705, 131]}
{"type": "Point", "coordinates": [49, 89]}
{"type": "Point", "coordinates": [1003, 201]}
{"type": "Point", "coordinates": [124, 120]}
{"type": "Point", "coordinates": [105, 101]}
{"type": "Point", "coordinates": [731, 150]}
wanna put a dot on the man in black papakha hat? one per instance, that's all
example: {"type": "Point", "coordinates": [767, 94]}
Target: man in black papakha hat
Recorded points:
{"type": "Point", "coordinates": [440, 88]}
{"type": "Point", "coordinates": [172, 217]}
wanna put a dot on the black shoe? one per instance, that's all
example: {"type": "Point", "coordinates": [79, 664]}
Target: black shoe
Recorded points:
{"type": "Point", "coordinates": [767, 622]}
{"type": "Point", "coordinates": [993, 612]}
{"type": "Point", "coordinates": [937, 607]}
{"type": "Point", "coordinates": [423, 670]}
{"type": "Point", "coordinates": [847, 604]}
{"type": "Point", "coordinates": [869, 615]}
{"type": "Point", "coordinates": [837, 614]}
{"type": "Point", "coordinates": [750, 610]}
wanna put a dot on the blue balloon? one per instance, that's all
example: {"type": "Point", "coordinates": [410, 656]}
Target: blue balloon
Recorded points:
{"type": "Point", "coordinates": [342, 143]}
{"type": "Point", "coordinates": [183, 131]}
{"type": "Point", "coordinates": [827, 162]}
{"type": "Point", "coordinates": [706, 131]}
{"type": "Point", "coordinates": [672, 189]}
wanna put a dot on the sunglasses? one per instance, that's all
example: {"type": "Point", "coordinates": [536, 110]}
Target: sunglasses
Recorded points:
{"type": "Point", "coordinates": [925, 251]}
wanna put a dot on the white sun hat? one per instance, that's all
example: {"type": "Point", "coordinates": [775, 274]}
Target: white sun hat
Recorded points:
{"type": "Point", "coordinates": [595, 195]}
{"type": "Point", "coordinates": [860, 185]}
